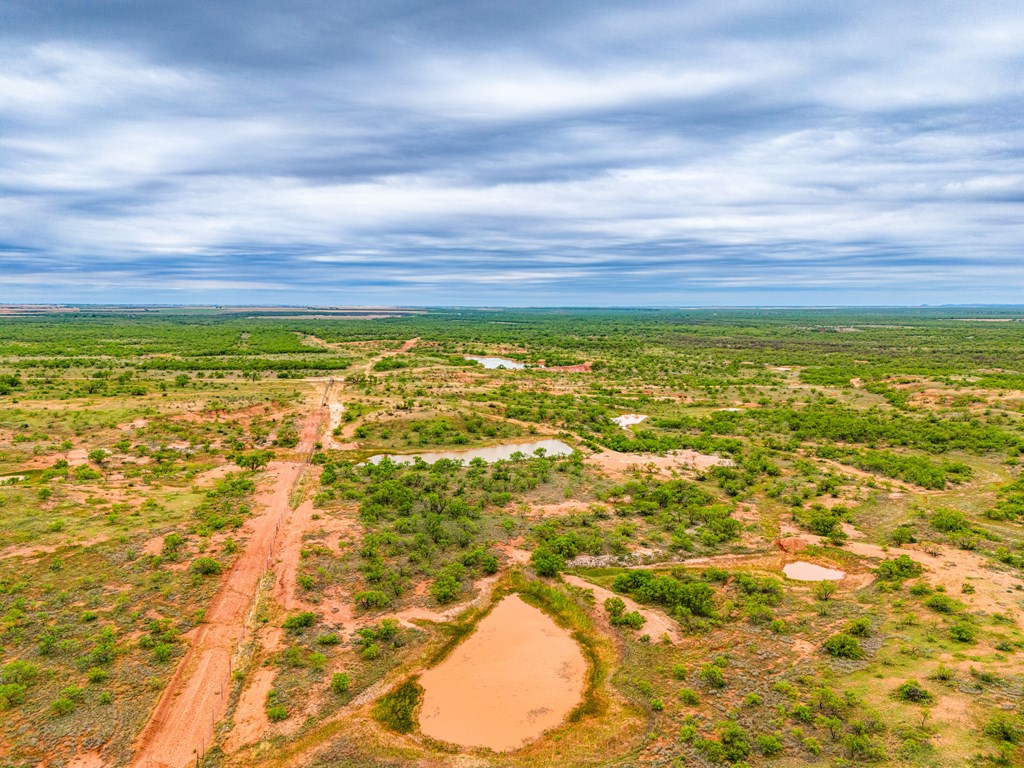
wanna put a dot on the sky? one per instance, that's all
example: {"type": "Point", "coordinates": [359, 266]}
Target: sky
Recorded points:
{"type": "Point", "coordinates": [354, 152]}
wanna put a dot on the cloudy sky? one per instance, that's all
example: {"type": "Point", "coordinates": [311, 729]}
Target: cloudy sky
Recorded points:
{"type": "Point", "coordinates": [519, 153]}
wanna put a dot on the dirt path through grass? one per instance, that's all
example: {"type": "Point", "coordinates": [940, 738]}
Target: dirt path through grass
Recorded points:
{"type": "Point", "coordinates": [390, 353]}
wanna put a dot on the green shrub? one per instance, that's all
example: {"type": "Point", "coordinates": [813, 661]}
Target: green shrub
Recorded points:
{"type": "Point", "coordinates": [1004, 727]}
{"type": "Point", "coordinates": [735, 742]}
{"type": "Point", "coordinates": [963, 632]}
{"type": "Point", "coordinates": [859, 627]}
{"type": "Point", "coordinates": [12, 694]}
{"type": "Point", "coordinates": [769, 744]}
{"type": "Point", "coordinates": [943, 673]}
{"type": "Point", "coordinates": [372, 598]}
{"type": "Point", "coordinates": [823, 590]}
{"type": "Point", "coordinates": [299, 621]}
{"type": "Point", "coordinates": [843, 646]}
{"type": "Point", "coordinates": [370, 651]}
{"type": "Point", "coordinates": [205, 566]}
{"type": "Point", "coordinates": [898, 569]}
{"type": "Point", "coordinates": [944, 604]}
{"type": "Point", "coordinates": [914, 692]}
{"type": "Point", "coordinates": [62, 706]}
{"type": "Point", "coordinates": [274, 707]}
{"type": "Point", "coordinates": [546, 562]}
{"type": "Point", "coordinates": [689, 697]}
{"type": "Point", "coordinates": [712, 676]}
{"type": "Point", "coordinates": [396, 710]}
{"type": "Point", "coordinates": [340, 682]}
{"type": "Point", "coordinates": [19, 671]}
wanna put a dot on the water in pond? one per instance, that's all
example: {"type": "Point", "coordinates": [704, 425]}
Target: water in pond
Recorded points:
{"type": "Point", "coordinates": [487, 453]}
{"type": "Point", "coordinates": [496, 362]}
{"type": "Point", "coordinates": [518, 675]}
{"type": "Point", "coordinates": [629, 419]}
{"type": "Point", "coordinates": [802, 571]}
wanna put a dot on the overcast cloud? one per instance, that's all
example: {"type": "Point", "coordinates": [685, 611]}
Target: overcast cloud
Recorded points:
{"type": "Point", "coordinates": [512, 153]}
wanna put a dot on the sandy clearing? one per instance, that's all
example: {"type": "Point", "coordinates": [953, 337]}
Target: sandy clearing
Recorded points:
{"type": "Point", "coordinates": [211, 476]}
{"type": "Point", "coordinates": [46, 549]}
{"type": "Point", "coordinates": [250, 716]}
{"type": "Point", "coordinates": [615, 463]}
{"type": "Point", "coordinates": [153, 546]}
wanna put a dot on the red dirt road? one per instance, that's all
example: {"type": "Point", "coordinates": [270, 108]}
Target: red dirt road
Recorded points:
{"type": "Point", "coordinates": [181, 727]}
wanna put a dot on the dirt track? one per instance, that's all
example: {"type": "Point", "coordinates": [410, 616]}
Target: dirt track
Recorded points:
{"type": "Point", "coordinates": [182, 725]}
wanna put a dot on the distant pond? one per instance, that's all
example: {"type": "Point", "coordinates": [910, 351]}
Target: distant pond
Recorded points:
{"type": "Point", "coordinates": [496, 362]}
{"type": "Point", "coordinates": [487, 453]}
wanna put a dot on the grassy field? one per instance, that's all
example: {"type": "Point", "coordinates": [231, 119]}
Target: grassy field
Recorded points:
{"type": "Point", "coordinates": [143, 468]}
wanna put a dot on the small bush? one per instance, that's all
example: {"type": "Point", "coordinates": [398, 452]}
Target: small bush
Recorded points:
{"type": "Point", "coordinates": [274, 707]}
{"type": "Point", "coordinates": [898, 569]}
{"type": "Point", "coordinates": [859, 627]}
{"type": "Point", "coordinates": [299, 621]}
{"type": "Point", "coordinates": [963, 632]}
{"type": "Point", "coordinates": [944, 673]}
{"type": "Point", "coordinates": [769, 744]}
{"type": "Point", "coordinates": [843, 646]}
{"type": "Point", "coordinates": [12, 694]}
{"type": "Point", "coordinates": [205, 566]}
{"type": "Point", "coordinates": [712, 676]}
{"type": "Point", "coordinates": [340, 682]}
{"type": "Point", "coordinates": [370, 651]}
{"type": "Point", "coordinates": [823, 590]}
{"type": "Point", "coordinates": [19, 671]}
{"type": "Point", "coordinates": [62, 706]}
{"type": "Point", "coordinates": [1004, 727]}
{"type": "Point", "coordinates": [689, 697]}
{"type": "Point", "coordinates": [943, 604]}
{"type": "Point", "coordinates": [914, 692]}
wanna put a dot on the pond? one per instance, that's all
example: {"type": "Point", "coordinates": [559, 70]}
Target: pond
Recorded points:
{"type": "Point", "coordinates": [518, 675]}
{"type": "Point", "coordinates": [629, 419]}
{"type": "Point", "coordinates": [496, 362]}
{"type": "Point", "coordinates": [801, 571]}
{"type": "Point", "coordinates": [487, 453]}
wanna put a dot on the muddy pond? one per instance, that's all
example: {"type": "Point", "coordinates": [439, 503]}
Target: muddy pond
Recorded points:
{"type": "Point", "coordinates": [496, 362]}
{"type": "Point", "coordinates": [518, 675]}
{"type": "Point", "coordinates": [487, 453]}
{"type": "Point", "coordinates": [801, 571]}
